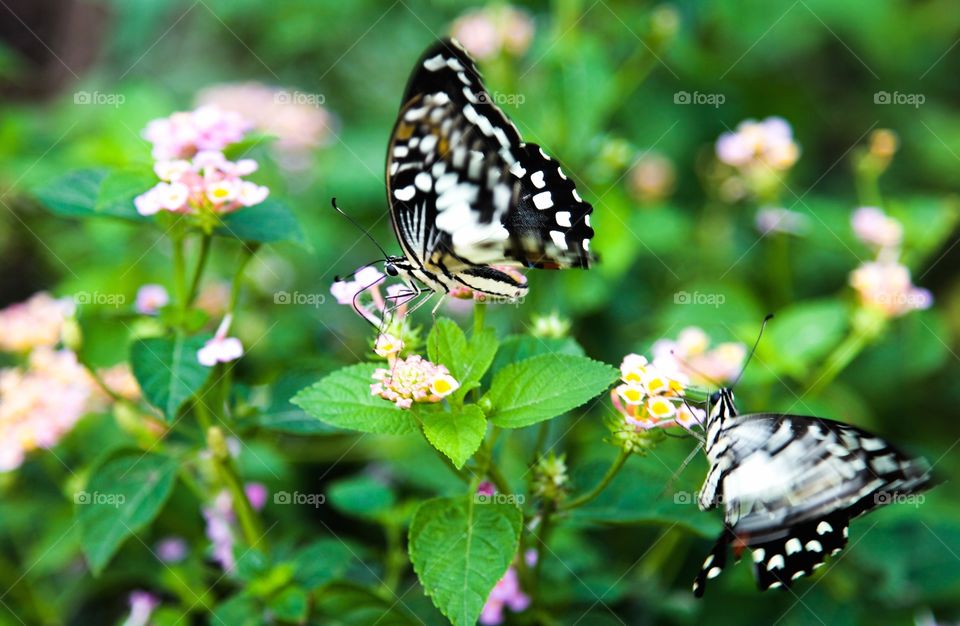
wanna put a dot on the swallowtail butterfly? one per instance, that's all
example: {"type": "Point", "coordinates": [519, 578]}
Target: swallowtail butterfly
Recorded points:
{"type": "Point", "coordinates": [790, 485]}
{"type": "Point", "coordinates": [466, 193]}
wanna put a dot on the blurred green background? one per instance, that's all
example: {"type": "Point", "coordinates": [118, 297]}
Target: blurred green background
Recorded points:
{"type": "Point", "coordinates": [598, 88]}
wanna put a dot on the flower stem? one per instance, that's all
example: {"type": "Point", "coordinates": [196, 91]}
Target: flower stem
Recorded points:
{"type": "Point", "coordinates": [866, 327]}
{"type": "Point", "coordinates": [201, 265]}
{"type": "Point", "coordinates": [179, 278]}
{"type": "Point", "coordinates": [479, 316]}
{"type": "Point", "coordinates": [591, 495]}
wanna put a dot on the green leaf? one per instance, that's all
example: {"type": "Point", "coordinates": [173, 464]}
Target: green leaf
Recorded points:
{"type": "Point", "coordinates": [467, 361]}
{"type": "Point", "coordinates": [267, 222]}
{"type": "Point", "coordinates": [804, 333]}
{"type": "Point", "coordinates": [98, 192]}
{"type": "Point", "coordinates": [345, 603]}
{"type": "Point", "coordinates": [460, 549]}
{"type": "Point", "coordinates": [458, 434]}
{"type": "Point", "coordinates": [123, 496]}
{"type": "Point", "coordinates": [238, 610]}
{"type": "Point", "coordinates": [519, 347]}
{"type": "Point", "coordinates": [543, 387]}
{"type": "Point", "coordinates": [361, 496]}
{"type": "Point", "coordinates": [322, 561]}
{"type": "Point", "coordinates": [168, 370]}
{"type": "Point", "coordinates": [343, 399]}
{"type": "Point", "coordinates": [290, 605]}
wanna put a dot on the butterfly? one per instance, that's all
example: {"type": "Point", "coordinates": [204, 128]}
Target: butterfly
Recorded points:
{"type": "Point", "coordinates": [467, 194]}
{"type": "Point", "coordinates": [789, 486]}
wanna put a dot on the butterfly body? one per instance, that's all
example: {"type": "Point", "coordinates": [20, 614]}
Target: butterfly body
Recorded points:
{"type": "Point", "coordinates": [466, 194]}
{"type": "Point", "coordinates": [789, 486]}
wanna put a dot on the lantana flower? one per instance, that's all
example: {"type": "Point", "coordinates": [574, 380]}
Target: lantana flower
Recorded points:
{"type": "Point", "coordinates": [186, 133]}
{"type": "Point", "coordinates": [488, 31]}
{"type": "Point", "coordinates": [151, 298]}
{"type": "Point", "coordinates": [652, 178]}
{"type": "Point", "coordinates": [768, 143]}
{"type": "Point", "coordinates": [885, 286]}
{"type": "Point", "coordinates": [221, 348]}
{"type": "Point", "coordinates": [413, 379]}
{"type": "Point", "coordinates": [689, 358]}
{"type": "Point", "coordinates": [142, 605]}
{"type": "Point", "coordinates": [365, 291]}
{"type": "Point", "coordinates": [208, 183]}
{"type": "Point", "coordinates": [37, 322]}
{"type": "Point", "coordinates": [875, 228]}
{"type": "Point", "coordinates": [649, 397]}
{"type": "Point", "coordinates": [779, 220]}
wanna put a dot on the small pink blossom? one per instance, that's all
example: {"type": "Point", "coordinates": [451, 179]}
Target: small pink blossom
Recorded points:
{"type": "Point", "coordinates": [171, 549]}
{"type": "Point", "coordinates": [185, 133]}
{"type": "Point", "coordinates": [413, 379]}
{"type": "Point", "coordinates": [486, 488]}
{"type": "Point", "coordinates": [487, 31]}
{"type": "Point", "coordinates": [506, 594]}
{"type": "Point", "coordinates": [220, 349]}
{"type": "Point", "coordinates": [885, 286]}
{"type": "Point", "coordinates": [874, 227]}
{"type": "Point", "coordinates": [220, 530]}
{"type": "Point", "coordinates": [151, 298]}
{"type": "Point", "coordinates": [388, 346]}
{"type": "Point", "coordinates": [142, 605]}
{"type": "Point", "coordinates": [652, 177]}
{"type": "Point", "coordinates": [257, 494]}
{"type": "Point", "coordinates": [688, 357]}
{"type": "Point", "coordinates": [768, 143]}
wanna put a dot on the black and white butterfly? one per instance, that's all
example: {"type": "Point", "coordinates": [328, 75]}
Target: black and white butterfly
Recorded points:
{"type": "Point", "coordinates": [466, 193]}
{"type": "Point", "coordinates": [789, 486]}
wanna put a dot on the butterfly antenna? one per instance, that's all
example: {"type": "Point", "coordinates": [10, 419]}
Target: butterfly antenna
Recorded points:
{"type": "Point", "coordinates": [687, 365]}
{"type": "Point", "coordinates": [356, 302]}
{"type": "Point", "coordinates": [753, 350]}
{"type": "Point", "coordinates": [363, 230]}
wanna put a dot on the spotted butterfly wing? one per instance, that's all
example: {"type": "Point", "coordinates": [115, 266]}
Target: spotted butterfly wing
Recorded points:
{"type": "Point", "coordinates": [466, 193]}
{"type": "Point", "coordinates": [790, 485]}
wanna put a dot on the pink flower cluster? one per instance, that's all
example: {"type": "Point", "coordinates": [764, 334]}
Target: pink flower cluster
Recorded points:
{"type": "Point", "coordinates": [221, 522]}
{"type": "Point", "coordinates": [206, 183]}
{"type": "Point", "coordinates": [649, 398]}
{"type": "Point", "coordinates": [689, 358]}
{"type": "Point", "coordinates": [488, 31]}
{"type": "Point", "coordinates": [507, 594]}
{"type": "Point", "coordinates": [768, 143]}
{"type": "Point", "coordinates": [187, 133]}
{"type": "Point", "coordinates": [413, 379]}
{"type": "Point", "coordinates": [41, 402]}
{"type": "Point", "coordinates": [36, 322]}
{"type": "Point", "coordinates": [884, 284]}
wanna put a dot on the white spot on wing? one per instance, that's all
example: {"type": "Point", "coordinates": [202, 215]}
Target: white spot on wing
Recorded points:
{"type": "Point", "coordinates": [558, 239]}
{"type": "Point", "coordinates": [434, 63]}
{"type": "Point", "coordinates": [775, 562]}
{"type": "Point", "coordinates": [793, 545]}
{"type": "Point", "coordinates": [814, 546]}
{"type": "Point", "coordinates": [563, 218]}
{"type": "Point", "coordinates": [823, 528]}
{"type": "Point", "coordinates": [517, 170]}
{"type": "Point", "coordinates": [404, 194]}
{"type": "Point", "coordinates": [543, 200]}
{"type": "Point", "coordinates": [758, 555]}
{"type": "Point", "coordinates": [423, 181]}
{"type": "Point", "coordinates": [537, 179]}
{"type": "Point", "coordinates": [714, 572]}
{"type": "Point", "coordinates": [428, 144]}
{"type": "Point", "coordinates": [577, 197]}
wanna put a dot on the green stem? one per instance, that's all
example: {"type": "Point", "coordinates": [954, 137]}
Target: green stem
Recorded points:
{"type": "Point", "coordinates": [201, 265]}
{"type": "Point", "coordinates": [604, 482]}
{"type": "Point", "coordinates": [479, 316]}
{"type": "Point", "coordinates": [179, 278]}
{"type": "Point", "coordinates": [396, 559]}
{"type": "Point", "coordinates": [866, 327]}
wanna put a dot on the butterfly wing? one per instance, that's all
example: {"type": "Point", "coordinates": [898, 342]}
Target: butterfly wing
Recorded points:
{"type": "Point", "coordinates": [465, 192]}
{"type": "Point", "coordinates": [790, 485]}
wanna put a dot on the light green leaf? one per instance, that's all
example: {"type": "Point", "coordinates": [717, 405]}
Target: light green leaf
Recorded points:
{"type": "Point", "coordinates": [543, 387]}
{"type": "Point", "coordinates": [460, 548]}
{"type": "Point", "coordinates": [123, 496]}
{"type": "Point", "coordinates": [804, 333]}
{"type": "Point", "coordinates": [457, 434]}
{"type": "Point", "coordinates": [267, 222]}
{"type": "Point", "coordinates": [98, 192]}
{"type": "Point", "coordinates": [290, 605]}
{"type": "Point", "coordinates": [168, 371]}
{"type": "Point", "coordinates": [322, 561]}
{"type": "Point", "coordinates": [346, 603]}
{"type": "Point", "coordinates": [519, 347]}
{"type": "Point", "coordinates": [467, 361]}
{"type": "Point", "coordinates": [239, 610]}
{"type": "Point", "coordinates": [361, 496]}
{"type": "Point", "coordinates": [343, 399]}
